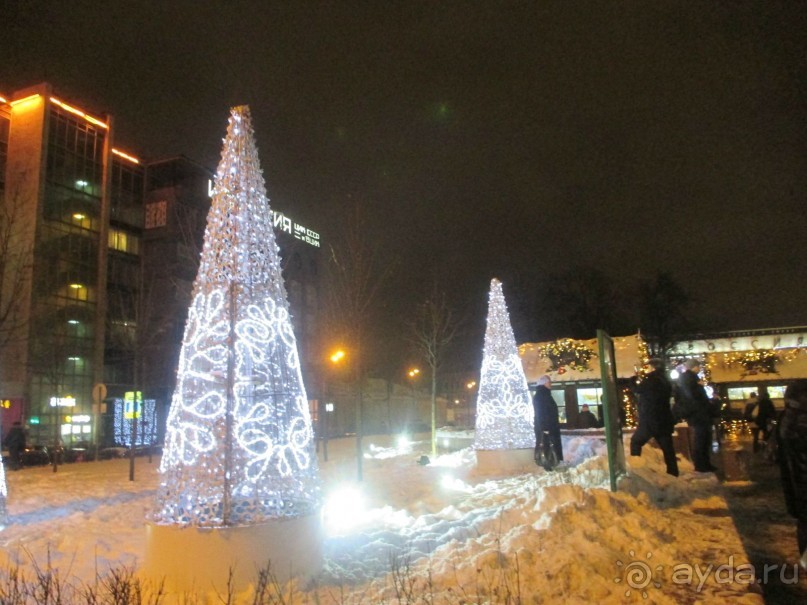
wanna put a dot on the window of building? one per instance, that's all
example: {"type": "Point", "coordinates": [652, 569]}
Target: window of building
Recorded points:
{"type": "Point", "coordinates": [592, 397]}
{"type": "Point", "coordinates": [123, 241]}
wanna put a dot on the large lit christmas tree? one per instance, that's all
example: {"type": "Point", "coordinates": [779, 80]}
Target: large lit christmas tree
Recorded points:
{"type": "Point", "coordinates": [504, 416]}
{"type": "Point", "coordinates": [239, 446]}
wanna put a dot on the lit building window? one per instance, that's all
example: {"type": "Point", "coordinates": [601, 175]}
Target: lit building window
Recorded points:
{"type": "Point", "coordinates": [124, 242]}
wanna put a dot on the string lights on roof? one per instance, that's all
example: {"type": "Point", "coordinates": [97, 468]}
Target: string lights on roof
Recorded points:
{"type": "Point", "coordinates": [504, 418]}
{"type": "Point", "coordinates": [239, 443]}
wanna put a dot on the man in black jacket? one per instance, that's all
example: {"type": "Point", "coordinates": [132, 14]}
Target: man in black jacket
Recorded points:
{"type": "Point", "coordinates": [793, 459]}
{"type": "Point", "coordinates": [697, 412]}
{"type": "Point", "coordinates": [547, 424]}
{"type": "Point", "coordinates": [655, 417]}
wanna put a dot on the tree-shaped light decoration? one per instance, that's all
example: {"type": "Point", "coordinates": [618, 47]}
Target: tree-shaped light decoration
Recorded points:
{"type": "Point", "coordinates": [239, 446]}
{"type": "Point", "coordinates": [504, 416]}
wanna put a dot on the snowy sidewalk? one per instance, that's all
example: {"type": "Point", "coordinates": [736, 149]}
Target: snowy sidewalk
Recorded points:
{"type": "Point", "coordinates": [451, 532]}
{"type": "Point", "coordinates": [767, 531]}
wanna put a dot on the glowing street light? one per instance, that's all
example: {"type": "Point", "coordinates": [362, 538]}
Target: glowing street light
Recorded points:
{"type": "Point", "coordinates": [413, 372]}
{"type": "Point", "coordinates": [471, 384]}
{"type": "Point", "coordinates": [337, 356]}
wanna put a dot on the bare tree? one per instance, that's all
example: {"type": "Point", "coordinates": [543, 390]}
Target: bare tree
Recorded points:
{"type": "Point", "coordinates": [354, 276]}
{"type": "Point", "coordinates": [432, 331]}
{"type": "Point", "coordinates": [664, 305]}
{"type": "Point", "coordinates": [16, 257]}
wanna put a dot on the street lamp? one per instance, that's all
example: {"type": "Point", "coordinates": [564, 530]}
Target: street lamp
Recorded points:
{"type": "Point", "coordinates": [336, 358]}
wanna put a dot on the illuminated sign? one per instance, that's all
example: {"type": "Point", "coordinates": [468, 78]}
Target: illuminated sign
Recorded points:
{"type": "Point", "coordinates": [63, 402]}
{"type": "Point", "coordinates": [281, 222]}
{"type": "Point", "coordinates": [747, 342]}
{"type": "Point", "coordinates": [77, 418]}
{"type": "Point", "coordinates": [33, 420]}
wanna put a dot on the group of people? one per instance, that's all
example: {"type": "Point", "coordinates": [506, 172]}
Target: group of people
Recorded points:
{"type": "Point", "coordinates": [657, 421]}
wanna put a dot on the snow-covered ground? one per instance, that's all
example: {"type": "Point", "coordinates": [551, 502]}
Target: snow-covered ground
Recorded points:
{"type": "Point", "coordinates": [447, 531]}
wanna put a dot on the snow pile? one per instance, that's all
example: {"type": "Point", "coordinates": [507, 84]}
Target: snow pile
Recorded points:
{"type": "Point", "coordinates": [443, 530]}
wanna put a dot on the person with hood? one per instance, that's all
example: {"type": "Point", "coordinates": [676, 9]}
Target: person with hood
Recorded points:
{"type": "Point", "coordinates": [696, 409]}
{"type": "Point", "coordinates": [546, 424]}
{"type": "Point", "coordinates": [655, 416]}
{"type": "Point", "coordinates": [792, 439]}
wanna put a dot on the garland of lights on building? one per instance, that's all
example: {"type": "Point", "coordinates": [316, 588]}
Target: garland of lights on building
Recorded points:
{"type": "Point", "coordinates": [566, 354]}
{"type": "Point", "coordinates": [504, 416]}
{"type": "Point", "coordinates": [239, 441]}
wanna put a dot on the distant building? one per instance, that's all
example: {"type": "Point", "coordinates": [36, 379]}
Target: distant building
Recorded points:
{"type": "Point", "coordinates": [102, 242]}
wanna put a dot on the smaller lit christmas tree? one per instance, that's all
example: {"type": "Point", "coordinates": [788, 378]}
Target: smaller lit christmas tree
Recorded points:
{"type": "Point", "coordinates": [504, 416]}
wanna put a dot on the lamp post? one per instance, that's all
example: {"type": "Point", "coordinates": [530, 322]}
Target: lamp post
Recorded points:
{"type": "Point", "coordinates": [414, 374]}
{"type": "Point", "coordinates": [336, 357]}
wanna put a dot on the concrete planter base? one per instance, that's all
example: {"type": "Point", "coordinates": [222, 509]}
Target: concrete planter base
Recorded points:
{"type": "Point", "coordinates": [489, 461]}
{"type": "Point", "coordinates": [196, 560]}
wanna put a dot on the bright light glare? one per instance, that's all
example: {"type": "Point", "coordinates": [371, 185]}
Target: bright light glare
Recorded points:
{"type": "Point", "coordinates": [403, 442]}
{"type": "Point", "coordinates": [344, 509]}
{"type": "Point", "coordinates": [674, 374]}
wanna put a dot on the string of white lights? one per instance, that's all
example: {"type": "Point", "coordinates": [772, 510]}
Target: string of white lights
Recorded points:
{"type": "Point", "coordinates": [504, 415]}
{"type": "Point", "coordinates": [239, 441]}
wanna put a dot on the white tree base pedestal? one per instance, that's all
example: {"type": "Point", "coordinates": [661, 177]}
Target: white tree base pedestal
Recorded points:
{"type": "Point", "coordinates": [491, 461]}
{"type": "Point", "coordinates": [198, 561]}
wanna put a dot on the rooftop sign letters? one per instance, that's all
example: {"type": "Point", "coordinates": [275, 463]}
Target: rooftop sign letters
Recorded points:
{"type": "Point", "coordinates": [281, 222]}
{"type": "Point", "coordinates": [741, 343]}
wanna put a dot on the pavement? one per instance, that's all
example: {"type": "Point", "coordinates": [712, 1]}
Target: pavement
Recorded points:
{"type": "Point", "coordinates": [768, 533]}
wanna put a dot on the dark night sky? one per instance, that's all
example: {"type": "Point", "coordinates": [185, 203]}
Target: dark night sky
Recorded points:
{"type": "Point", "coordinates": [492, 138]}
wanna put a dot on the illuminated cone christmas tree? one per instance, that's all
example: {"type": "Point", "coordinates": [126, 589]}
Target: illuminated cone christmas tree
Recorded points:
{"type": "Point", "coordinates": [239, 446]}
{"type": "Point", "coordinates": [503, 409]}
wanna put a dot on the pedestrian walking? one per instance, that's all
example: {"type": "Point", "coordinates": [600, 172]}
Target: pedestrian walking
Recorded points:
{"type": "Point", "coordinates": [15, 442]}
{"type": "Point", "coordinates": [547, 425]}
{"type": "Point", "coordinates": [762, 420]}
{"type": "Point", "coordinates": [653, 392]}
{"type": "Point", "coordinates": [696, 410]}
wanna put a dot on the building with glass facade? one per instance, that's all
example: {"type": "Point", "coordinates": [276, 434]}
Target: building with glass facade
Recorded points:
{"type": "Point", "coordinates": [74, 208]}
{"type": "Point", "coordinates": [99, 251]}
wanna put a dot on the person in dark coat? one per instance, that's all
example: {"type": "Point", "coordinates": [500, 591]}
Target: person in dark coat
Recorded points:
{"type": "Point", "coordinates": [547, 424]}
{"type": "Point", "coordinates": [792, 437]}
{"type": "Point", "coordinates": [15, 442]}
{"type": "Point", "coordinates": [697, 411]}
{"type": "Point", "coordinates": [655, 416]}
{"type": "Point", "coordinates": [762, 417]}
{"type": "Point", "coordinates": [586, 419]}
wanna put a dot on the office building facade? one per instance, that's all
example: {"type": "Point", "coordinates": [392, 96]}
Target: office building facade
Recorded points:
{"type": "Point", "coordinates": [99, 251]}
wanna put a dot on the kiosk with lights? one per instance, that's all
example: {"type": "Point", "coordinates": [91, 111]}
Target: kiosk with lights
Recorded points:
{"type": "Point", "coordinates": [505, 437]}
{"type": "Point", "coordinates": [239, 483]}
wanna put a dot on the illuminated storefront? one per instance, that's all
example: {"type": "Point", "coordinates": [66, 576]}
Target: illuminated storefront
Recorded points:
{"type": "Point", "coordinates": [741, 362]}
{"type": "Point", "coordinates": [574, 367]}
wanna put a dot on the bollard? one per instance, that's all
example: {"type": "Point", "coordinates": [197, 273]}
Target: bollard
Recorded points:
{"type": "Point", "coordinates": [736, 462]}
